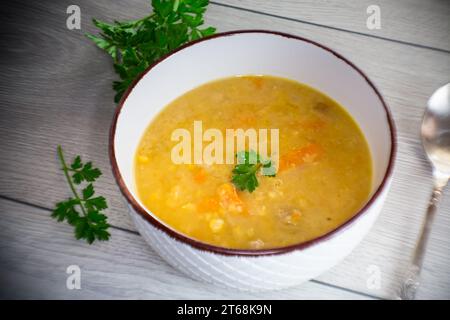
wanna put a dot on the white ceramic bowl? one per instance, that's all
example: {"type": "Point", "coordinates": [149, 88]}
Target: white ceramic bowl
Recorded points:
{"type": "Point", "coordinates": [243, 53]}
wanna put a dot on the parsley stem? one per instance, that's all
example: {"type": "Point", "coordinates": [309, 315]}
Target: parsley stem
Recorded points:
{"type": "Point", "coordinates": [66, 169]}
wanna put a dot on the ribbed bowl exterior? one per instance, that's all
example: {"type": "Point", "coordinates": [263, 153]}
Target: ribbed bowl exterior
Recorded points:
{"type": "Point", "coordinates": [259, 273]}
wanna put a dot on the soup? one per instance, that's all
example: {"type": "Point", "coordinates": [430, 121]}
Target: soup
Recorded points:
{"type": "Point", "coordinates": [323, 176]}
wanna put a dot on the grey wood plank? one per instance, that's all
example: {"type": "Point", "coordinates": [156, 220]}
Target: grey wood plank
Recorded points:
{"type": "Point", "coordinates": [35, 252]}
{"type": "Point", "coordinates": [424, 23]}
{"type": "Point", "coordinates": [56, 89]}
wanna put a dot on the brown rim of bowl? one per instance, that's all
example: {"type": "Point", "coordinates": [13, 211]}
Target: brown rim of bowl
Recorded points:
{"type": "Point", "coordinates": [248, 252]}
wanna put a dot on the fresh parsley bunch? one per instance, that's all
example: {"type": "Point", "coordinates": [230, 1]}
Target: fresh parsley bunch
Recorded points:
{"type": "Point", "coordinates": [135, 45]}
{"type": "Point", "coordinates": [83, 211]}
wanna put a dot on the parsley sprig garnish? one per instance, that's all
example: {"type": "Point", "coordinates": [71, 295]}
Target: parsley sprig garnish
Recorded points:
{"type": "Point", "coordinates": [248, 165]}
{"type": "Point", "coordinates": [135, 45]}
{"type": "Point", "coordinates": [83, 211]}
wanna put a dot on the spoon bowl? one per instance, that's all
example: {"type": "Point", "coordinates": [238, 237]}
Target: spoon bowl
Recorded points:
{"type": "Point", "coordinates": [436, 130]}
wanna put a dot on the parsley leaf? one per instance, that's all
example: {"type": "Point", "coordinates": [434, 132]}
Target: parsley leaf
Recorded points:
{"type": "Point", "coordinates": [135, 45]}
{"type": "Point", "coordinates": [248, 165]}
{"type": "Point", "coordinates": [84, 213]}
{"type": "Point", "coordinates": [83, 172]}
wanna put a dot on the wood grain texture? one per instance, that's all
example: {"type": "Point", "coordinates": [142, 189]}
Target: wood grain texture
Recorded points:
{"type": "Point", "coordinates": [33, 265]}
{"type": "Point", "coordinates": [56, 88]}
{"type": "Point", "coordinates": [418, 22]}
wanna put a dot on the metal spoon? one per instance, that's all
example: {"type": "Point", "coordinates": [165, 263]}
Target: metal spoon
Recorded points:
{"type": "Point", "coordinates": [436, 142]}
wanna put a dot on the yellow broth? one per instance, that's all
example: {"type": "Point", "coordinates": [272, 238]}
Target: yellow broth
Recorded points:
{"type": "Point", "coordinates": [324, 175]}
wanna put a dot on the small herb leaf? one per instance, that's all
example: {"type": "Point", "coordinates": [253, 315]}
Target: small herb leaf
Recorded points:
{"type": "Point", "coordinates": [97, 203]}
{"type": "Point", "coordinates": [244, 173]}
{"type": "Point", "coordinates": [88, 191]}
{"type": "Point", "coordinates": [86, 173]}
{"type": "Point", "coordinates": [76, 164]}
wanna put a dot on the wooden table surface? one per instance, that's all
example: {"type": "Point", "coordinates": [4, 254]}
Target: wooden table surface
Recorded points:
{"type": "Point", "coordinates": [55, 88]}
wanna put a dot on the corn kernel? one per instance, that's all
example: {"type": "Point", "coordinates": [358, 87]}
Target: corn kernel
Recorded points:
{"type": "Point", "coordinates": [143, 159]}
{"type": "Point", "coordinates": [216, 224]}
{"type": "Point", "coordinates": [189, 207]}
{"type": "Point", "coordinates": [257, 244]}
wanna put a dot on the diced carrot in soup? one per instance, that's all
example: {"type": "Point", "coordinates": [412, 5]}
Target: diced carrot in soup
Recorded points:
{"type": "Point", "coordinates": [229, 198]}
{"type": "Point", "coordinates": [200, 175]}
{"type": "Point", "coordinates": [297, 157]}
{"type": "Point", "coordinates": [210, 204]}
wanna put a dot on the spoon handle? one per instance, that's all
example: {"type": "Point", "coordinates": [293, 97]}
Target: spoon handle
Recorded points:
{"type": "Point", "coordinates": [411, 279]}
